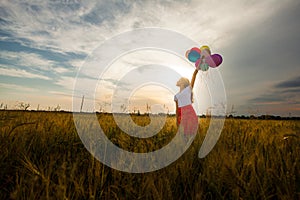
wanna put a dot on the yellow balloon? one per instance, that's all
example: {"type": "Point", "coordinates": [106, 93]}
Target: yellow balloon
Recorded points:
{"type": "Point", "coordinates": [204, 47]}
{"type": "Point", "coordinates": [205, 50]}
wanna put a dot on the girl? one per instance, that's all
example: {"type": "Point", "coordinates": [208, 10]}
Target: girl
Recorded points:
{"type": "Point", "coordinates": [185, 112]}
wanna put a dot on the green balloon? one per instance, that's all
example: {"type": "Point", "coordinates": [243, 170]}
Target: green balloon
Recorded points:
{"type": "Point", "coordinates": [204, 66]}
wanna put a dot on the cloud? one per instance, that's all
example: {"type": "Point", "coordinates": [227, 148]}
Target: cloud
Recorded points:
{"type": "Point", "coordinates": [106, 10]}
{"type": "Point", "coordinates": [267, 47]}
{"type": "Point", "coordinates": [36, 63]}
{"type": "Point", "coordinates": [50, 26]}
{"type": "Point", "coordinates": [27, 59]}
{"type": "Point", "coordinates": [66, 82]}
{"type": "Point", "coordinates": [76, 63]}
{"type": "Point", "coordinates": [80, 26]}
{"type": "Point", "coordinates": [284, 92]}
{"type": "Point", "coordinates": [21, 73]}
{"type": "Point", "coordinates": [17, 87]}
{"type": "Point", "coordinates": [289, 83]}
{"type": "Point", "coordinates": [259, 40]}
{"type": "Point", "coordinates": [282, 98]}
{"type": "Point", "coordinates": [272, 98]}
{"type": "Point", "coordinates": [261, 53]}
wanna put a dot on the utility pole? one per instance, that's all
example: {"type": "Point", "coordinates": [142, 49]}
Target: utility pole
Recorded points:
{"type": "Point", "coordinates": [82, 103]}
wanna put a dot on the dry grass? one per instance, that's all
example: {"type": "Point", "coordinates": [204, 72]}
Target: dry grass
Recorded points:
{"type": "Point", "coordinates": [42, 157]}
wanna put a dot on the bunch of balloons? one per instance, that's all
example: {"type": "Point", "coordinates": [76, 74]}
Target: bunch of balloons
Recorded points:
{"type": "Point", "coordinates": [203, 58]}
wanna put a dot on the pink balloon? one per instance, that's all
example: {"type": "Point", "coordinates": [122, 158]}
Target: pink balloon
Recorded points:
{"type": "Point", "coordinates": [209, 60]}
{"type": "Point", "coordinates": [197, 63]}
{"type": "Point", "coordinates": [214, 60]}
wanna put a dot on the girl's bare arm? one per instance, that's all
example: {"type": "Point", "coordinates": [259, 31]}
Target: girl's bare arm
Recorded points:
{"type": "Point", "coordinates": [194, 78]}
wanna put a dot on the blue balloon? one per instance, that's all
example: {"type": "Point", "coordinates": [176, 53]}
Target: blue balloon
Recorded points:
{"type": "Point", "coordinates": [193, 56]}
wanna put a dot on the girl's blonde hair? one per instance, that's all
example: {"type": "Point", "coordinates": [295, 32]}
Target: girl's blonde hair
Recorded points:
{"type": "Point", "coordinates": [185, 81]}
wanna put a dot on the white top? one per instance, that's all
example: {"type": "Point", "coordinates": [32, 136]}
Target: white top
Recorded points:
{"type": "Point", "coordinates": [184, 97]}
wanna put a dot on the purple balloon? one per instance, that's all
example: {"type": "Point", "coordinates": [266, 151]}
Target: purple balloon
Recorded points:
{"type": "Point", "coordinates": [217, 59]}
{"type": "Point", "coordinates": [214, 60]}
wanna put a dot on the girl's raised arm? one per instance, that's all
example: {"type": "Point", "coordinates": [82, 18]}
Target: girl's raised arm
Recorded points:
{"type": "Point", "coordinates": [194, 77]}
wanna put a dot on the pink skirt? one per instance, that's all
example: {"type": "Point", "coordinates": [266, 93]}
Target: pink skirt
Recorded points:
{"type": "Point", "coordinates": [188, 119]}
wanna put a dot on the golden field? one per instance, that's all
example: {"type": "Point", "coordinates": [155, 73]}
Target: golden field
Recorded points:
{"type": "Point", "coordinates": [42, 157]}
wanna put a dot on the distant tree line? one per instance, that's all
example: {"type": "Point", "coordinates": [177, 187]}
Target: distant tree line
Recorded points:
{"type": "Point", "coordinates": [21, 106]}
{"type": "Point", "coordinates": [272, 117]}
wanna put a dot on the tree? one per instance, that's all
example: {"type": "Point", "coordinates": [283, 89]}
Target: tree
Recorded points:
{"type": "Point", "coordinates": [57, 108]}
{"type": "Point", "coordinates": [23, 106]}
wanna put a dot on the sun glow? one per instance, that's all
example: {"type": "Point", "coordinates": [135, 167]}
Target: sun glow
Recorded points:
{"type": "Point", "coordinates": [144, 95]}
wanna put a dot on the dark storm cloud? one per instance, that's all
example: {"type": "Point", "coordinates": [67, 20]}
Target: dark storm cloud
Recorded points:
{"type": "Point", "coordinates": [285, 92]}
{"type": "Point", "coordinates": [276, 97]}
{"type": "Point", "coordinates": [268, 48]}
{"type": "Point", "coordinates": [266, 51]}
{"type": "Point", "coordinates": [289, 84]}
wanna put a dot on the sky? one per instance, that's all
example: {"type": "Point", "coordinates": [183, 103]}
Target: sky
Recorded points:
{"type": "Point", "coordinates": [45, 43]}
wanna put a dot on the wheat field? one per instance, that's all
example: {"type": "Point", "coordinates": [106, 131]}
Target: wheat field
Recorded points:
{"type": "Point", "coordinates": [42, 157]}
